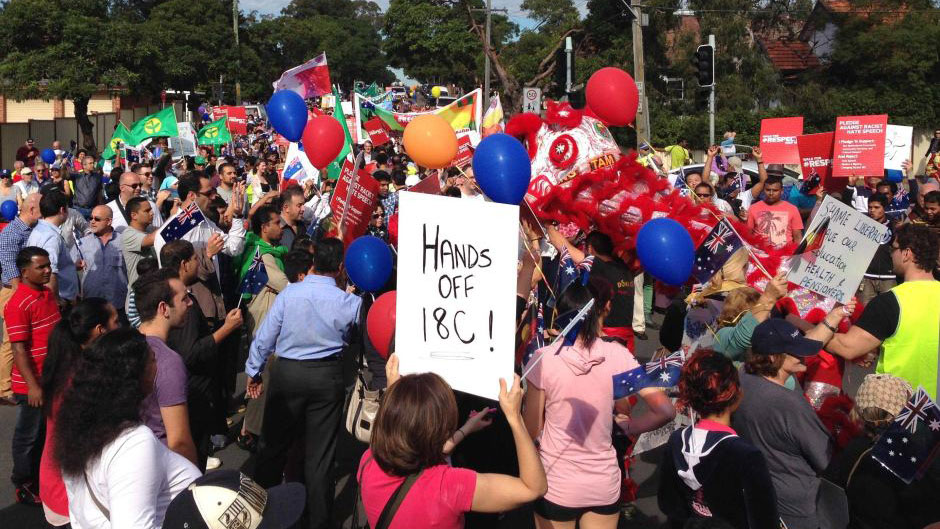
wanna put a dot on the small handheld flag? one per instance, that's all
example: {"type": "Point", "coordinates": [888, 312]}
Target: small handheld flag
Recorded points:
{"type": "Point", "coordinates": [715, 251]}
{"type": "Point", "coordinates": [256, 277]}
{"type": "Point", "coordinates": [185, 220]}
{"type": "Point", "coordinates": [662, 373]}
{"type": "Point", "coordinates": [911, 442]}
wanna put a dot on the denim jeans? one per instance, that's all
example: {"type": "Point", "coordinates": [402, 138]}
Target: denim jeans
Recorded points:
{"type": "Point", "coordinates": [28, 437]}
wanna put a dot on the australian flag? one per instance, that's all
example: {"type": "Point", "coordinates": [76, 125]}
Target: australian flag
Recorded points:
{"type": "Point", "coordinates": [715, 251]}
{"type": "Point", "coordinates": [294, 170]}
{"type": "Point", "coordinates": [662, 373]}
{"type": "Point", "coordinates": [256, 277]}
{"type": "Point", "coordinates": [568, 272]}
{"type": "Point", "coordinates": [185, 220]}
{"type": "Point", "coordinates": [908, 446]}
{"type": "Point", "coordinates": [536, 332]}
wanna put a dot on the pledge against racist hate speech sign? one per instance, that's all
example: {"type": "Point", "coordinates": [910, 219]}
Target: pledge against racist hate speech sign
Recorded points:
{"type": "Point", "coordinates": [455, 314]}
{"type": "Point", "coordinates": [859, 146]}
{"type": "Point", "coordinates": [845, 242]}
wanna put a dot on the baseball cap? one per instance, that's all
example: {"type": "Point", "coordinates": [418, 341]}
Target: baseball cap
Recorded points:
{"type": "Point", "coordinates": [30, 140]}
{"type": "Point", "coordinates": [26, 170]}
{"type": "Point", "coordinates": [884, 392]}
{"type": "Point", "coordinates": [5, 173]}
{"type": "Point", "coordinates": [776, 336]}
{"type": "Point", "coordinates": [228, 499]}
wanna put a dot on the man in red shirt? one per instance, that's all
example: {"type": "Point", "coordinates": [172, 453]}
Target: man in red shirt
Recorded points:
{"type": "Point", "coordinates": [30, 315]}
{"type": "Point", "coordinates": [773, 219]}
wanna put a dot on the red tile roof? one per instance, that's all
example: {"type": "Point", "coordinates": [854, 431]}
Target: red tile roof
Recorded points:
{"type": "Point", "coordinates": [790, 55]}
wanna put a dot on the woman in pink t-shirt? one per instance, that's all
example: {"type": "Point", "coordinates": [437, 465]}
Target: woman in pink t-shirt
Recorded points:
{"type": "Point", "coordinates": [415, 429]}
{"type": "Point", "coordinates": [570, 408]}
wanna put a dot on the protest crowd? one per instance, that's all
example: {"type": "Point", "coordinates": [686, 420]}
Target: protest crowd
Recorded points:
{"type": "Point", "coordinates": [502, 388]}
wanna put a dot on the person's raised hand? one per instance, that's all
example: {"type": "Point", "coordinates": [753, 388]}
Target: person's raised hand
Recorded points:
{"type": "Point", "coordinates": [214, 245]}
{"type": "Point", "coordinates": [907, 166]}
{"type": "Point", "coordinates": [391, 370]}
{"type": "Point", "coordinates": [478, 420]}
{"type": "Point", "coordinates": [233, 319]}
{"type": "Point", "coordinates": [777, 287]}
{"type": "Point", "coordinates": [510, 399]}
{"type": "Point", "coordinates": [756, 153]}
{"type": "Point", "coordinates": [849, 308]}
{"type": "Point", "coordinates": [712, 151]}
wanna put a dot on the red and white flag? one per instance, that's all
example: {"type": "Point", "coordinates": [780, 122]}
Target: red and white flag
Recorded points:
{"type": "Point", "coordinates": [310, 79]}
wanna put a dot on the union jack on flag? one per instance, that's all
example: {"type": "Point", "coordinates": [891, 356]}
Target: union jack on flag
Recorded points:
{"type": "Point", "coordinates": [568, 272]}
{"type": "Point", "coordinates": [256, 277]}
{"type": "Point", "coordinates": [916, 409]}
{"type": "Point", "coordinates": [906, 450]}
{"type": "Point", "coordinates": [185, 220]}
{"type": "Point", "coordinates": [718, 247]}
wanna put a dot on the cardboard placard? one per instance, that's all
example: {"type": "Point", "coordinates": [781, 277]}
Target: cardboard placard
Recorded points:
{"type": "Point", "coordinates": [456, 290]}
{"type": "Point", "coordinates": [846, 241]}
{"type": "Point", "coordinates": [898, 142]}
{"type": "Point", "coordinates": [860, 146]}
{"type": "Point", "coordinates": [464, 152]}
{"type": "Point", "coordinates": [376, 130]}
{"type": "Point", "coordinates": [363, 197]}
{"type": "Point", "coordinates": [816, 159]}
{"type": "Point", "coordinates": [237, 122]}
{"type": "Point", "coordinates": [778, 139]}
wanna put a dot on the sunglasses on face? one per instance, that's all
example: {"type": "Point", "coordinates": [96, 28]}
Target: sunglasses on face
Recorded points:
{"type": "Point", "coordinates": [704, 195]}
{"type": "Point", "coordinates": [132, 186]}
{"type": "Point", "coordinates": [99, 219]}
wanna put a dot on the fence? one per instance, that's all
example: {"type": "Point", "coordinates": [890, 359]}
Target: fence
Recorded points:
{"type": "Point", "coordinates": [45, 131]}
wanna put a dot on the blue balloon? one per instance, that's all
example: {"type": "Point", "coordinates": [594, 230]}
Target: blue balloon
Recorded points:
{"type": "Point", "coordinates": [666, 251]}
{"type": "Point", "coordinates": [47, 155]}
{"type": "Point", "coordinates": [9, 210]}
{"type": "Point", "coordinates": [287, 113]}
{"type": "Point", "coordinates": [369, 263]}
{"type": "Point", "coordinates": [502, 168]}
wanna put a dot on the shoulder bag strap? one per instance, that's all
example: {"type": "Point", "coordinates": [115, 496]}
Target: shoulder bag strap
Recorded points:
{"type": "Point", "coordinates": [94, 499]}
{"type": "Point", "coordinates": [388, 513]}
{"type": "Point", "coordinates": [855, 466]}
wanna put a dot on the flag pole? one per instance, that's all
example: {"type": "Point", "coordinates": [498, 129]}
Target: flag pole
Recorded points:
{"type": "Point", "coordinates": [561, 335]}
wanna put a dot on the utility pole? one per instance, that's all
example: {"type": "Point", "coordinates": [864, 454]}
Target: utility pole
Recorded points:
{"type": "Point", "coordinates": [238, 55]}
{"type": "Point", "coordinates": [486, 50]}
{"type": "Point", "coordinates": [711, 100]}
{"type": "Point", "coordinates": [639, 73]}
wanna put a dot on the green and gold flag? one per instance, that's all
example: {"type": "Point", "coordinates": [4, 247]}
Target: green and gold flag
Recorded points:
{"type": "Point", "coordinates": [215, 133]}
{"type": "Point", "coordinates": [158, 124]}
{"type": "Point", "coordinates": [121, 135]}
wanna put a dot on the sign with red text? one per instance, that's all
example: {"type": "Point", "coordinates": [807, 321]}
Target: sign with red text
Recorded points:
{"type": "Point", "coordinates": [237, 122]}
{"type": "Point", "coordinates": [455, 314]}
{"type": "Point", "coordinates": [860, 146]}
{"type": "Point", "coordinates": [816, 161]}
{"type": "Point", "coordinates": [464, 152]}
{"type": "Point", "coordinates": [778, 139]}
{"type": "Point", "coordinates": [376, 130]}
{"type": "Point", "coordinates": [362, 198]}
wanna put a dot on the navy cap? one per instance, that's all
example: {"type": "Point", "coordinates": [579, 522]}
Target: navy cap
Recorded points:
{"type": "Point", "coordinates": [776, 336]}
{"type": "Point", "coordinates": [5, 173]}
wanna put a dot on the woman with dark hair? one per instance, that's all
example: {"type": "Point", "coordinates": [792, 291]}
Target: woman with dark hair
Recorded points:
{"type": "Point", "coordinates": [84, 323]}
{"type": "Point", "coordinates": [708, 471]}
{"type": "Point", "coordinates": [116, 472]}
{"type": "Point", "coordinates": [414, 431]}
{"type": "Point", "coordinates": [570, 407]}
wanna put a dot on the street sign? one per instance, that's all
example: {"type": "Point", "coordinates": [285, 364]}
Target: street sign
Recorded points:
{"type": "Point", "coordinates": [532, 100]}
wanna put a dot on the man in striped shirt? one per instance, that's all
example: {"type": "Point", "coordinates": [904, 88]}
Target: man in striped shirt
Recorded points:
{"type": "Point", "coordinates": [30, 315]}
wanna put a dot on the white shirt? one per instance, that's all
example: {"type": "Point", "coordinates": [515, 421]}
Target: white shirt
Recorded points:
{"type": "Point", "coordinates": [24, 188]}
{"type": "Point", "coordinates": [234, 240]}
{"type": "Point", "coordinates": [135, 478]}
{"type": "Point", "coordinates": [117, 218]}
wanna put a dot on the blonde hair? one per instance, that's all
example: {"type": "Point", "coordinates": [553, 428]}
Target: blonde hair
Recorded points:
{"type": "Point", "coordinates": [738, 301]}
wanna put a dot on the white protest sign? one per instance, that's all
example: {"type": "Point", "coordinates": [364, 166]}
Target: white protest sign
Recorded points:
{"type": "Point", "coordinates": [840, 243]}
{"type": "Point", "coordinates": [456, 307]}
{"type": "Point", "coordinates": [898, 141]}
{"type": "Point", "coordinates": [185, 143]}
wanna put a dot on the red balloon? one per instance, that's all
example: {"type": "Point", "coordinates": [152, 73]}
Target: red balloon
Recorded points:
{"type": "Point", "coordinates": [323, 140]}
{"type": "Point", "coordinates": [380, 323]}
{"type": "Point", "coordinates": [613, 96]}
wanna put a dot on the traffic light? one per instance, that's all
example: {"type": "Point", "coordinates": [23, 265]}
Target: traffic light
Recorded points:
{"type": "Point", "coordinates": [704, 63]}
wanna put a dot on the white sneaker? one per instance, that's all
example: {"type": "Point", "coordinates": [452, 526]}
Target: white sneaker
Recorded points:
{"type": "Point", "coordinates": [213, 463]}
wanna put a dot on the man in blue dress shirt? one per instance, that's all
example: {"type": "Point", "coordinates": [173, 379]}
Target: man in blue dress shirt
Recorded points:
{"type": "Point", "coordinates": [308, 326]}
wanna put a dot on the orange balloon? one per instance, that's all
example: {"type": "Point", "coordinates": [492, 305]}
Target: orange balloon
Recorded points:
{"type": "Point", "coordinates": [430, 141]}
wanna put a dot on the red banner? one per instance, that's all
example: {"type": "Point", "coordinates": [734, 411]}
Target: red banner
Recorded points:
{"type": "Point", "coordinates": [778, 139]}
{"type": "Point", "coordinates": [377, 133]}
{"type": "Point", "coordinates": [816, 161]}
{"type": "Point", "coordinates": [464, 152]}
{"type": "Point", "coordinates": [362, 201]}
{"type": "Point", "coordinates": [860, 146]}
{"type": "Point", "coordinates": [430, 185]}
{"type": "Point", "coordinates": [237, 122]}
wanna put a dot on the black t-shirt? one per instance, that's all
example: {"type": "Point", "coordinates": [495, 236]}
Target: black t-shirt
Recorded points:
{"type": "Point", "coordinates": [621, 280]}
{"type": "Point", "coordinates": [882, 316]}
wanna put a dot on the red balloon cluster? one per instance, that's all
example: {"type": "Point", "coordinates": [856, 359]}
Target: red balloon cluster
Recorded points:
{"type": "Point", "coordinates": [612, 96]}
{"type": "Point", "coordinates": [380, 323]}
{"type": "Point", "coordinates": [323, 140]}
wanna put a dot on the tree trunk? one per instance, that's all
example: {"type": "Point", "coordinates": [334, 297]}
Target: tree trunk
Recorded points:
{"type": "Point", "coordinates": [81, 115]}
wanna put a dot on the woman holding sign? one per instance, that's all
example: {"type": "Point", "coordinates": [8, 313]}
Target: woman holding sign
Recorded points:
{"type": "Point", "coordinates": [569, 407]}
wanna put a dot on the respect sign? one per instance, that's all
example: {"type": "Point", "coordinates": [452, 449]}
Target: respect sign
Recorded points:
{"type": "Point", "coordinates": [860, 146]}
{"type": "Point", "coordinates": [778, 139]}
{"type": "Point", "coordinates": [362, 192]}
{"type": "Point", "coordinates": [456, 290]}
{"type": "Point", "coordinates": [840, 242]}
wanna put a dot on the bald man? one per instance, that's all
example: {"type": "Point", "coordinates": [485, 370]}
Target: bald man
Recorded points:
{"type": "Point", "coordinates": [130, 187]}
{"type": "Point", "coordinates": [105, 273]}
{"type": "Point", "coordinates": [12, 239]}
{"type": "Point", "coordinates": [918, 211]}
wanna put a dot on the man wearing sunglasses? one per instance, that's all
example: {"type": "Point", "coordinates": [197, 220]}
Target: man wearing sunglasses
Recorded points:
{"type": "Point", "coordinates": [105, 275]}
{"type": "Point", "coordinates": [905, 321]}
{"type": "Point", "coordinates": [129, 187]}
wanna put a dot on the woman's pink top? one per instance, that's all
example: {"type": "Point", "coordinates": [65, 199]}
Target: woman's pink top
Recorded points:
{"type": "Point", "coordinates": [437, 500]}
{"type": "Point", "coordinates": [575, 446]}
